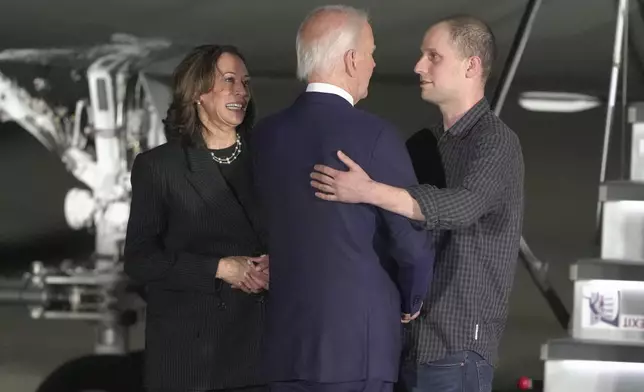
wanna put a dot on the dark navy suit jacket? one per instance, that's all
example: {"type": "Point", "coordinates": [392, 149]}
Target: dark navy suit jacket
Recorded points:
{"type": "Point", "coordinates": [341, 274]}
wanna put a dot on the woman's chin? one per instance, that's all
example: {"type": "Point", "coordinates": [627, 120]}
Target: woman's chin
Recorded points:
{"type": "Point", "coordinates": [235, 118]}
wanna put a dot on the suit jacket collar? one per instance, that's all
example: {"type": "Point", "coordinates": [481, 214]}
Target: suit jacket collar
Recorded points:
{"type": "Point", "coordinates": [323, 98]}
{"type": "Point", "coordinates": [208, 181]}
{"type": "Point", "coordinates": [330, 89]}
{"type": "Point", "coordinates": [199, 159]}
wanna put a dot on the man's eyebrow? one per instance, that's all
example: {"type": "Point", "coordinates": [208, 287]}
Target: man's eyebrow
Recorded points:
{"type": "Point", "coordinates": [429, 50]}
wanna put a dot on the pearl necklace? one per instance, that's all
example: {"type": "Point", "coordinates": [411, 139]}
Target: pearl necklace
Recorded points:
{"type": "Point", "coordinates": [232, 157]}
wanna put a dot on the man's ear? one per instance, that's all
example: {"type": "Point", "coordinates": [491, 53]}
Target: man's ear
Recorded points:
{"type": "Point", "coordinates": [474, 67]}
{"type": "Point", "coordinates": [350, 62]}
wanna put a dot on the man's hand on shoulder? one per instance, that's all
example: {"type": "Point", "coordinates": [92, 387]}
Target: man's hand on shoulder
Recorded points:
{"type": "Point", "coordinates": [352, 186]}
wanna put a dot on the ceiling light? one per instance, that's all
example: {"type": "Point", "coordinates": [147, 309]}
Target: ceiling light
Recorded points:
{"type": "Point", "coordinates": [558, 102]}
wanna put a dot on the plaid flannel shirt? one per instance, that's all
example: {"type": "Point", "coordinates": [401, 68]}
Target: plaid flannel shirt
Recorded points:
{"type": "Point", "coordinates": [477, 221]}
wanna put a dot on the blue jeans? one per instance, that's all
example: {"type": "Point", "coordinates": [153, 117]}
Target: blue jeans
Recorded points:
{"type": "Point", "coordinates": [306, 386]}
{"type": "Point", "coordinates": [464, 371]}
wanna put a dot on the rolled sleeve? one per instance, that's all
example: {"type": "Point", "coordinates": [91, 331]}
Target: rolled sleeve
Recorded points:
{"type": "Point", "coordinates": [422, 193]}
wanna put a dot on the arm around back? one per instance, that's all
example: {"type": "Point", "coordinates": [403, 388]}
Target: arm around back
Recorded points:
{"type": "Point", "coordinates": [410, 246]}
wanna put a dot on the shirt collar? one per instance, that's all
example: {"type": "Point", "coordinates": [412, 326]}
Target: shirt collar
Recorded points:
{"type": "Point", "coordinates": [466, 122]}
{"type": "Point", "coordinates": [330, 89]}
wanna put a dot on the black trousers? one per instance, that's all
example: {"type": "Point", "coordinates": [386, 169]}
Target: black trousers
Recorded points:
{"type": "Point", "coordinates": [357, 386]}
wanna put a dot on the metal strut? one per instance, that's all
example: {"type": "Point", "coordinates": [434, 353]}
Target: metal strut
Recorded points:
{"type": "Point", "coordinates": [618, 46]}
{"type": "Point", "coordinates": [537, 269]}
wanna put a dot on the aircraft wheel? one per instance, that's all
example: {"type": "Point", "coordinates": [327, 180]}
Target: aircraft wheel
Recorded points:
{"type": "Point", "coordinates": [97, 373]}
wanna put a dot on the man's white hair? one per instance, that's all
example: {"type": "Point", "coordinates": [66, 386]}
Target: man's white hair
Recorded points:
{"type": "Point", "coordinates": [323, 52]}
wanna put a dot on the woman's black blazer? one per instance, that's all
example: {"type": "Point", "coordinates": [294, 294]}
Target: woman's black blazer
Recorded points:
{"type": "Point", "coordinates": [200, 333]}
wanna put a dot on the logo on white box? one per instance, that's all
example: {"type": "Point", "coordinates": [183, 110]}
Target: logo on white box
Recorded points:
{"type": "Point", "coordinates": [604, 307]}
{"type": "Point", "coordinates": [604, 310]}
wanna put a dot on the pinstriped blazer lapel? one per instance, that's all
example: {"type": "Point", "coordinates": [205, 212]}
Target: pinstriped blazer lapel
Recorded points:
{"type": "Point", "coordinates": [211, 186]}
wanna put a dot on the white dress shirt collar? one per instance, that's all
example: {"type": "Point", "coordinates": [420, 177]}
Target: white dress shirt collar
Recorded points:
{"type": "Point", "coordinates": [330, 89]}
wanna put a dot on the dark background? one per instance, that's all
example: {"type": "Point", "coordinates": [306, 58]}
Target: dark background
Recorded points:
{"type": "Point", "coordinates": [570, 50]}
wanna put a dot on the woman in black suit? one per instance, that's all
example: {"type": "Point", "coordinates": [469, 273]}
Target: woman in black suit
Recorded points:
{"type": "Point", "coordinates": [194, 239]}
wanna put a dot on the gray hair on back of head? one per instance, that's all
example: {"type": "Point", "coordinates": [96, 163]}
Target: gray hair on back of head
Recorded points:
{"type": "Point", "coordinates": [321, 53]}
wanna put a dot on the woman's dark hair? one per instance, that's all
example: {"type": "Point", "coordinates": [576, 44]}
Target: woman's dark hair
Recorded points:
{"type": "Point", "coordinates": [194, 76]}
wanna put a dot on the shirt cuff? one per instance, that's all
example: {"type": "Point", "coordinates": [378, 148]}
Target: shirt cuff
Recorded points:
{"type": "Point", "coordinates": [422, 193]}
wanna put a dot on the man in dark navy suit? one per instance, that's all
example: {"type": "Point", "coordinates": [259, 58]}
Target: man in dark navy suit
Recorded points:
{"type": "Point", "coordinates": [344, 277]}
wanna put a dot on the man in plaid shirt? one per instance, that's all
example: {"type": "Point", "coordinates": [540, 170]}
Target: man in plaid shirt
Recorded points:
{"type": "Point", "coordinates": [477, 217]}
